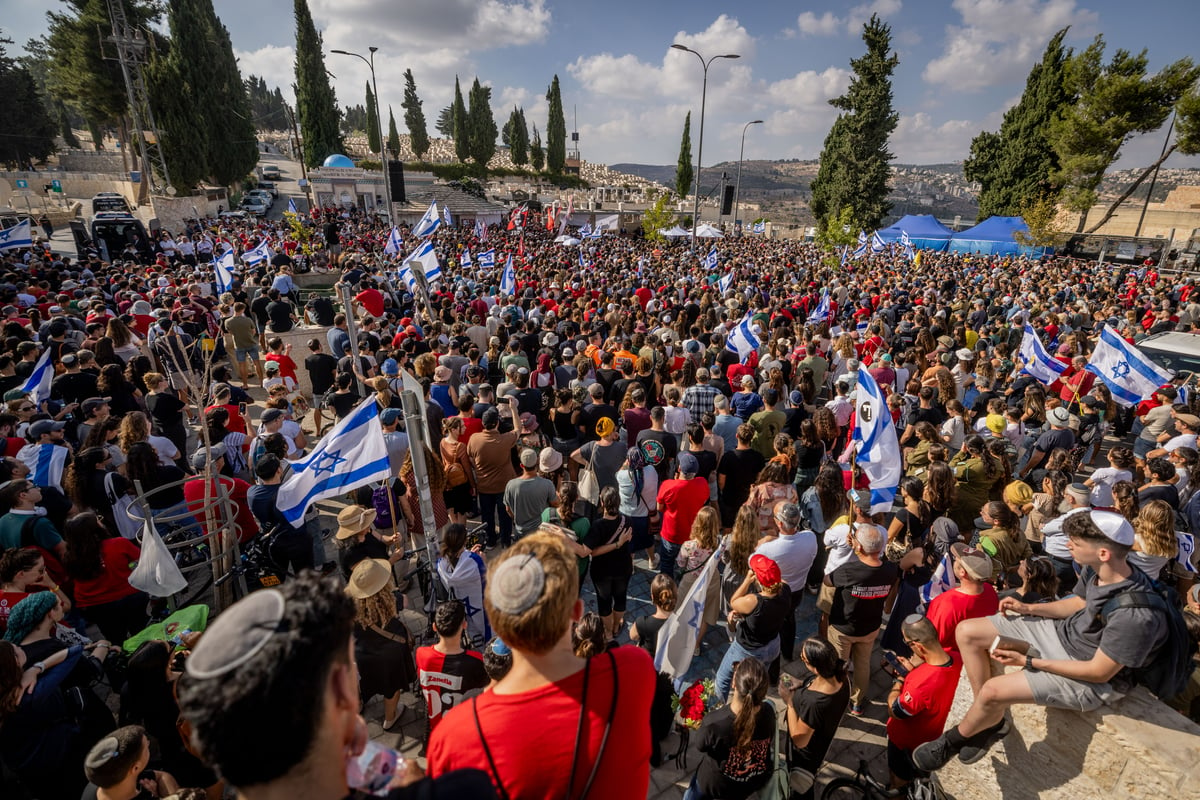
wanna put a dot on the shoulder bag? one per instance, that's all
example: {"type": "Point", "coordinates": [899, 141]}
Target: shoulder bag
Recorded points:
{"type": "Point", "coordinates": [589, 485]}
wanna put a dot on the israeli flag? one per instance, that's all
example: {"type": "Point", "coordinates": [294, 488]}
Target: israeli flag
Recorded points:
{"type": "Point", "coordinates": [480, 230]}
{"type": "Point", "coordinates": [292, 206]}
{"type": "Point", "coordinates": [822, 312]}
{"type": "Point", "coordinates": [585, 231]}
{"type": "Point", "coordinates": [259, 254]}
{"type": "Point", "coordinates": [594, 234]}
{"type": "Point", "coordinates": [583, 262]}
{"type": "Point", "coordinates": [351, 455]}
{"type": "Point", "coordinates": [1038, 362]}
{"type": "Point", "coordinates": [429, 222]}
{"type": "Point", "coordinates": [845, 255]}
{"type": "Point", "coordinates": [942, 580]}
{"type": "Point", "coordinates": [37, 385]}
{"type": "Point", "coordinates": [427, 258]}
{"type": "Point", "coordinates": [906, 243]}
{"type": "Point", "coordinates": [395, 242]}
{"type": "Point", "coordinates": [508, 279]}
{"type": "Point", "coordinates": [1182, 395]}
{"type": "Point", "coordinates": [741, 340]}
{"type": "Point", "coordinates": [878, 245]}
{"type": "Point", "coordinates": [606, 223]}
{"type": "Point", "coordinates": [725, 282]}
{"type": "Point", "coordinates": [760, 227]}
{"type": "Point", "coordinates": [446, 217]}
{"type": "Point", "coordinates": [710, 260]}
{"type": "Point", "coordinates": [46, 463]}
{"type": "Point", "coordinates": [1129, 375]}
{"type": "Point", "coordinates": [678, 636]}
{"type": "Point", "coordinates": [223, 268]}
{"type": "Point", "coordinates": [863, 243]}
{"type": "Point", "coordinates": [1187, 549]}
{"type": "Point", "coordinates": [464, 260]}
{"type": "Point", "coordinates": [876, 447]}
{"type": "Point", "coordinates": [18, 236]}
{"type": "Point", "coordinates": [486, 259]}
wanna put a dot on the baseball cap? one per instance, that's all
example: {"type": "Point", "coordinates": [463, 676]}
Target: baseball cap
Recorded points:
{"type": "Point", "coordinates": [389, 415]}
{"type": "Point", "coordinates": [201, 457]}
{"type": "Point", "coordinates": [688, 464]}
{"type": "Point", "coordinates": [765, 570]}
{"type": "Point", "coordinates": [43, 426]}
{"type": "Point", "coordinates": [529, 458]}
{"type": "Point", "coordinates": [92, 403]}
{"type": "Point", "coordinates": [1114, 526]}
{"type": "Point", "coordinates": [976, 562]}
{"type": "Point", "coordinates": [270, 415]}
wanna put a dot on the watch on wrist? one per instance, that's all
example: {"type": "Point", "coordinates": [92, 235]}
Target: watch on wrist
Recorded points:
{"type": "Point", "coordinates": [1029, 662]}
{"type": "Point", "coordinates": [41, 666]}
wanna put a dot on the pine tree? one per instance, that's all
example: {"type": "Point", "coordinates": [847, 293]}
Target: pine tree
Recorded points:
{"type": "Point", "coordinates": [462, 139]}
{"type": "Point", "coordinates": [481, 124]}
{"type": "Point", "coordinates": [684, 172]}
{"type": "Point", "coordinates": [373, 143]}
{"type": "Point", "coordinates": [184, 143]}
{"type": "Point", "coordinates": [393, 140]}
{"type": "Point", "coordinates": [556, 130]}
{"type": "Point", "coordinates": [233, 145]}
{"type": "Point", "coordinates": [316, 104]}
{"type": "Point", "coordinates": [445, 122]}
{"type": "Point", "coordinates": [414, 117]}
{"type": "Point", "coordinates": [853, 168]}
{"type": "Point", "coordinates": [537, 156]}
{"type": "Point", "coordinates": [1015, 165]}
{"type": "Point", "coordinates": [519, 148]}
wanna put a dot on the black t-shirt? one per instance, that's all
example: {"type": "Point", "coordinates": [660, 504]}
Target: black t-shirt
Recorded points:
{"type": "Point", "coordinates": [280, 313]}
{"type": "Point", "coordinates": [707, 460]}
{"type": "Point", "coordinates": [616, 563]}
{"type": "Point", "coordinates": [74, 387]}
{"type": "Point", "coordinates": [648, 628]}
{"type": "Point", "coordinates": [166, 410]}
{"type": "Point", "coordinates": [606, 378]}
{"type": "Point", "coordinates": [740, 468]}
{"type": "Point", "coordinates": [321, 310]}
{"type": "Point", "coordinates": [760, 627]}
{"type": "Point", "coordinates": [861, 591]}
{"type": "Point", "coordinates": [1055, 438]}
{"type": "Point", "coordinates": [322, 368]}
{"type": "Point", "coordinates": [342, 404]}
{"type": "Point", "coordinates": [259, 309]}
{"type": "Point", "coordinates": [729, 773]}
{"type": "Point", "coordinates": [670, 447]}
{"type": "Point", "coordinates": [590, 415]}
{"type": "Point", "coordinates": [330, 231]}
{"type": "Point", "coordinates": [1165, 492]}
{"type": "Point", "coordinates": [823, 713]}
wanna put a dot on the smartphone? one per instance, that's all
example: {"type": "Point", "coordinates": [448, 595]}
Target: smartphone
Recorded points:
{"type": "Point", "coordinates": [894, 662]}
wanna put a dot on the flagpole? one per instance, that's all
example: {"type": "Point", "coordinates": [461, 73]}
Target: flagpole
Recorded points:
{"type": "Point", "coordinates": [414, 424]}
{"type": "Point", "coordinates": [351, 329]}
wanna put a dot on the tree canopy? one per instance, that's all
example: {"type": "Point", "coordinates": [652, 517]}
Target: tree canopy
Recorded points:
{"type": "Point", "coordinates": [684, 171]}
{"type": "Point", "coordinates": [27, 125]}
{"type": "Point", "coordinates": [316, 103]}
{"type": "Point", "coordinates": [556, 129]}
{"type": "Point", "coordinates": [414, 117]}
{"type": "Point", "coordinates": [481, 124]}
{"type": "Point", "coordinates": [373, 143]}
{"type": "Point", "coordinates": [462, 136]}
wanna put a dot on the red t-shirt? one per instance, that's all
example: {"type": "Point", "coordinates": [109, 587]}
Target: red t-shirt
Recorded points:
{"type": "Point", "coordinates": [10, 599]}
{"type": "Point", "coordinates": [371, 300]}
{"type": "Point", "coordinates": [681, 501]}
{"type": "Point", "coordinates": [236, 423]}
{"type": "Point", "coordinates": [193, 495]}
{"type": "Point", "coordinates": [120, 556]}
{"type": "Point", "coordinates": [446, 678]}
{"type": "Point", "coordinates": [287, 367]}
{"type": "Point", "coordinates": [531, 735]}
{"type": "Point", "coordinates": [952, 607]}
{"type": "Point", "coordinates": [925, 698]}
{"type": "Point", "coordinates": [471, 426]}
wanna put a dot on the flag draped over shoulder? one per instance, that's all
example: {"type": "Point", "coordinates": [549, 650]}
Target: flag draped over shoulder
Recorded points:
{"type": "Point", "coordinates": [877, 449]}
{"type": "Point", "coordinates": [37, 385]}
{"type": "Point", "coordinates": [349, 456]}
{"type": "Point", "coordinates": [678, 635]}
{"type": "Point", "coordinates": [1125, 370]}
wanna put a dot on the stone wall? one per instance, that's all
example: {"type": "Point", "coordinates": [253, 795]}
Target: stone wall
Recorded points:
{"type": "Point", "coordinates": [1136, 748]}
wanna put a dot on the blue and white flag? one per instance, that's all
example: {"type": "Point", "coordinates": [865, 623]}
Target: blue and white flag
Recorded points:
{"type": "Point", "coordinates": [759, 227]}
{"type": "Point", "coordinates": [725, 282]}
{"type": "Point", "coordinates": [258, 254]}
{"type": "Point", "coordinates": [427, 258]}
{"type": "Point", "coordinates": [863, 244]}
{"type": "Point", "coordinates": [845, 255]}
{"type": "Point", "coordinates": [710, 260]}
{"type": "Point", "coordinates": [608, 222]}
{"type": "Point", "coordinates": [1038, 362]}
{"type": "Point", "coordinates": [486, 259]}
{"type": "Point", "coordinates": [1187, 551]}
{"type": "Point", "coordinates": [223, 269]}
{"type": "Point", "coordinates": [1129, 375]}
{"type": "Point", "coordinates": [742, 339]}
{"type": "Point", "coordinates": [480, 230]}
{"type": "Point", "coordinates": [878, 245]}
{"type": "Point", "coordinates": [822, 312]}
{"type": "Point", "coordinates": [508, 278]}
{"type": "Point", "coordinates": [877, 450]}
{"type": "Point", "coordinates": [907, 244]}
{"type": "Point", "coordinates": [583, 262]}
{"type": "Point", "coordinates": [292, 206]}
{"type": "Point", "coordinates": [46, 463]}
{"type": "Point", "coordinates": [18, 236]}
{"type": "Point", "coordinates": [429, 221]}
{"type": "Point", "coordinates": [942, 580]}
{"type": "Point", "coordinates": [395, 242]}
{"type": "Point", "coordinates": [678, 636]}
{"type": "Point", "coordinates": [596, 233]}
{"type": "Point", "coordinates": [446, 217]}
{"type": "Point", "coordinates": [351, 455]}
{"type": "Point", "coordinates": [585, 231]}
{"type": "Point", "coordinates": [37, 385]}
{"type": "Point", "coordinates": [464, 260]}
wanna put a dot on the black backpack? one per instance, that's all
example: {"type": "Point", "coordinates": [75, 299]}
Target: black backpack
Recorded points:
{"type": "Point", "coordinates": [1167, 675]}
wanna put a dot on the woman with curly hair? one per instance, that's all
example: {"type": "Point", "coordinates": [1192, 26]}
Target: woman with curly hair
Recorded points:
{"type": "Point", "coordinates": [410, 503]}
{"type": "Point", "coordinates": [135, 429]}
{"type": "Point", "coordinates": [382, 645]}
{"type": "Point", "coordinates": [827, 428]}
{"type": "Point", "coordinates": [1154, 542]}
{"type": "Point", "coordinates": [124, 396]}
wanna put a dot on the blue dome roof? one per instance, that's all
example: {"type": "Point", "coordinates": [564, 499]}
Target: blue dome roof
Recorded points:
{"type": "Point", "coordinates": [337, 160]}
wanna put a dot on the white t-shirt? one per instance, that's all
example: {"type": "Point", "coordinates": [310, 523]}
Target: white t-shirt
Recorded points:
{"type": "Point", "coordinates": [839, 550]}
{"type": "Point", "coordinates": [165, 448]}
{"type": "Point", "coordinates": [794, 554]}
{"type": "Point", "coordinates": [1182, 440]}
{"type": "Point", "coordinates": [1104, 478]}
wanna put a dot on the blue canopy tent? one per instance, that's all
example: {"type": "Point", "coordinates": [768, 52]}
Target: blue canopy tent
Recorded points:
{"type": "Point", "coordinates": [925, 232]}
{"type": "Point", "coordinates": [994, 236]}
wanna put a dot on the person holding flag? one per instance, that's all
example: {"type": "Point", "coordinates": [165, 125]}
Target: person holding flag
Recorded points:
{"type": "Point", "coordinates": [1038, 362]}
{"type": "Point", "coordinates": [1125, 370]}
{"type": "Point", "coordinates": [743, 339]}
{"type": "Point", "coordinates": [429, 221]}
{"type": "Point", "coordinates": [508, 279]}
{"type": "Point", "coordinates": [710, 261]}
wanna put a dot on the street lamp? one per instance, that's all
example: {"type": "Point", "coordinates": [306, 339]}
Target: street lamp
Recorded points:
{"type": "Point", "coordinates": [387, 186]}
{"type": "Point", "coordinates": [737, 187]}
{"type": "Point", "coordinates": [700, 147]}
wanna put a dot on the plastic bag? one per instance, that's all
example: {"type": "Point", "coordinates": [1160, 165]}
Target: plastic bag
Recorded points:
{"type": "Point", "coordinates": [156, 572]}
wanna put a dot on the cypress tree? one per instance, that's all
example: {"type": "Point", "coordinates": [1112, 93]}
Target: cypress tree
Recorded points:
{"type": "Point", "coordinates": [556, 130]}
{"type": "Point", "coordinates": [393, 140]}
{"type": "Point", "coordinates": [462, 138]}
{"type": "Point", "coordinates": [173, 79]}
{"type": "Point", "coordinates": [316, 104]}
{"type": "Point", "coordinates": [684, 172]}
{"type": "Point", "coordinates": [445, 122]}
{"type": "Point", "coordinates": [373, 143]}
{"type": "Point", "coordinates": [520, 139]}
{"type": "Point", "coordinates": [233, 145]}
{"type": "Point", "coordinates": [853, 170]}
{"type": "Point", "coordinates": [414, 117]}
{"type": "Point", "coordinates": [537, 156]}
{"type": "Point", "coordinates": [482, 125]}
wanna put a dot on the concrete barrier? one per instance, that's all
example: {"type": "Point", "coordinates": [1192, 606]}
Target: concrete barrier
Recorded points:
{"type": "Point", "coordinates": [1135, 748]}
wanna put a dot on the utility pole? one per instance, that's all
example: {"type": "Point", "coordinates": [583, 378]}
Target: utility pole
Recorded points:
{"type": "Point", "coordinates": [300, 155]}
{"type": "Point", "coordinates": [414, 424]}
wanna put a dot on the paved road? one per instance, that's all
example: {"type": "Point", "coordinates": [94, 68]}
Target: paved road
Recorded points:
{"type": "Point", "coordinates": [288, 188]}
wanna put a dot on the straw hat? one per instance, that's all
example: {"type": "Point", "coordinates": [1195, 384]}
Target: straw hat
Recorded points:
{"type": "Point", "coordinates": [369, 578]}
{"type": "Point", "coordinates": [353, 520]}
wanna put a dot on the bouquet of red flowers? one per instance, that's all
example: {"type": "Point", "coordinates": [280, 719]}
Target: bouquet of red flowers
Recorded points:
{"type": "Point", "coordinates": [694, 702]}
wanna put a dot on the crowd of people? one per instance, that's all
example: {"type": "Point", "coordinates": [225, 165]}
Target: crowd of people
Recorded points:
{"type": "Point", "coordinates": [596, 422]}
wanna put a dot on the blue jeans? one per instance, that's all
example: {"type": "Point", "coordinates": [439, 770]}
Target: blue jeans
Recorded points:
{"type": "Point", "coordinates": [692, 792]}
{"type": "Point", "coordinates": [736, 653]}
{"type": "Point", "coordinates": [666, 557]}
{"type": "Point", "coordinates": [491, 505]}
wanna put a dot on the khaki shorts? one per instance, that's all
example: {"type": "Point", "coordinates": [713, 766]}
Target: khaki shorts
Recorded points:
{"type": "Point", "coordinates": [825, 598]}
{"type": "Point", "coordinates": [1053, 691]}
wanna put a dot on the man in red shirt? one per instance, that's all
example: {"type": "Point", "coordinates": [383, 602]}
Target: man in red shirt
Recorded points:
{"type": "Point", "coordinates": [447, 671]}
{"type": "Point", "coordinates": [196, 496]}
{"type": "Point", "coordinates": [973, 597]}
{"type": "Point", "coordinates": [679, 500]}
{"type": "Point", "coordinates": [371, 299]}
{"type": "Point", "coordinates": [919, 701]}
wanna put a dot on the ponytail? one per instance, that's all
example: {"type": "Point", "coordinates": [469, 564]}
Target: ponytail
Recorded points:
{"type": "Point", "coordinates": [750, 681]}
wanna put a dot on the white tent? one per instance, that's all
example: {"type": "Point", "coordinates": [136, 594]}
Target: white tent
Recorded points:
{"type": "Point", "coordinates": [566, 241]}
{"type": "Point", "coordinates": [674, 233]}
{"type": "Point", "coordinates": [706, 231]}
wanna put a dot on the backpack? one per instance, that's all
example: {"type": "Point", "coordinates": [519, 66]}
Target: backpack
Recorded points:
{"type": "Point", "coordinates": [1167, 675]}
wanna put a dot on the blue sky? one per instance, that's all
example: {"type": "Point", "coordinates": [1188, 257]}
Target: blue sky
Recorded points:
{"type": "Point", "coordinates": [962, 62]}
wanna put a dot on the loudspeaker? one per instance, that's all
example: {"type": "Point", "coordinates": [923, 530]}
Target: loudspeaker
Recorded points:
{"type": "Point", "coordinates": [727, 200]}
{"type": "Point", "coordinates": [396, 181]}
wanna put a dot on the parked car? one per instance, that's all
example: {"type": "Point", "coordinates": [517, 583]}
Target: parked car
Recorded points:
{"type": "Point", "coordinates": [254, 205]}
{"type": "Point", "coordinates": [113, 231]}
{"type": "Point", "coordinates": [262, 194]}
{"type": "Point", "coordinates": [268, 186]}
{"type": "Point", "coordinates": [271, 172]}
{"type": "Point", "coordinates": [1175, 350]}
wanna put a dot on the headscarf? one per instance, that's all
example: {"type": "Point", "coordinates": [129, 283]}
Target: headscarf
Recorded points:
{"type": "Point", "coordinates": [28, 614]}
{"type": "Point", "coordinates": [637, 466]}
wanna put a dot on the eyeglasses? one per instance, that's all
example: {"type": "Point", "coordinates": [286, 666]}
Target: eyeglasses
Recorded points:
{"type": "Point", "coordinates": [26, 408]}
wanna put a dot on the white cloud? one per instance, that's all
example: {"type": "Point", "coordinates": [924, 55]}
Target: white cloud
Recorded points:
{"type": "Point", "coordinates": [829, 24]}
{"type": "Point", "coordinates": [1000, 40]}
{"type": "Point", "coordinates": [274, 64]}
{"type": "Point", "coordinates": [919, 140]}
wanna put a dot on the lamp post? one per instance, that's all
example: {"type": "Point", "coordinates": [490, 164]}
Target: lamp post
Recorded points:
{"type": "Point", "coordinates": [383, 162]}
{"type": "Point", "coordinates": [737, 187]}
{"type": "Point", "coordinates": [704, 63]}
